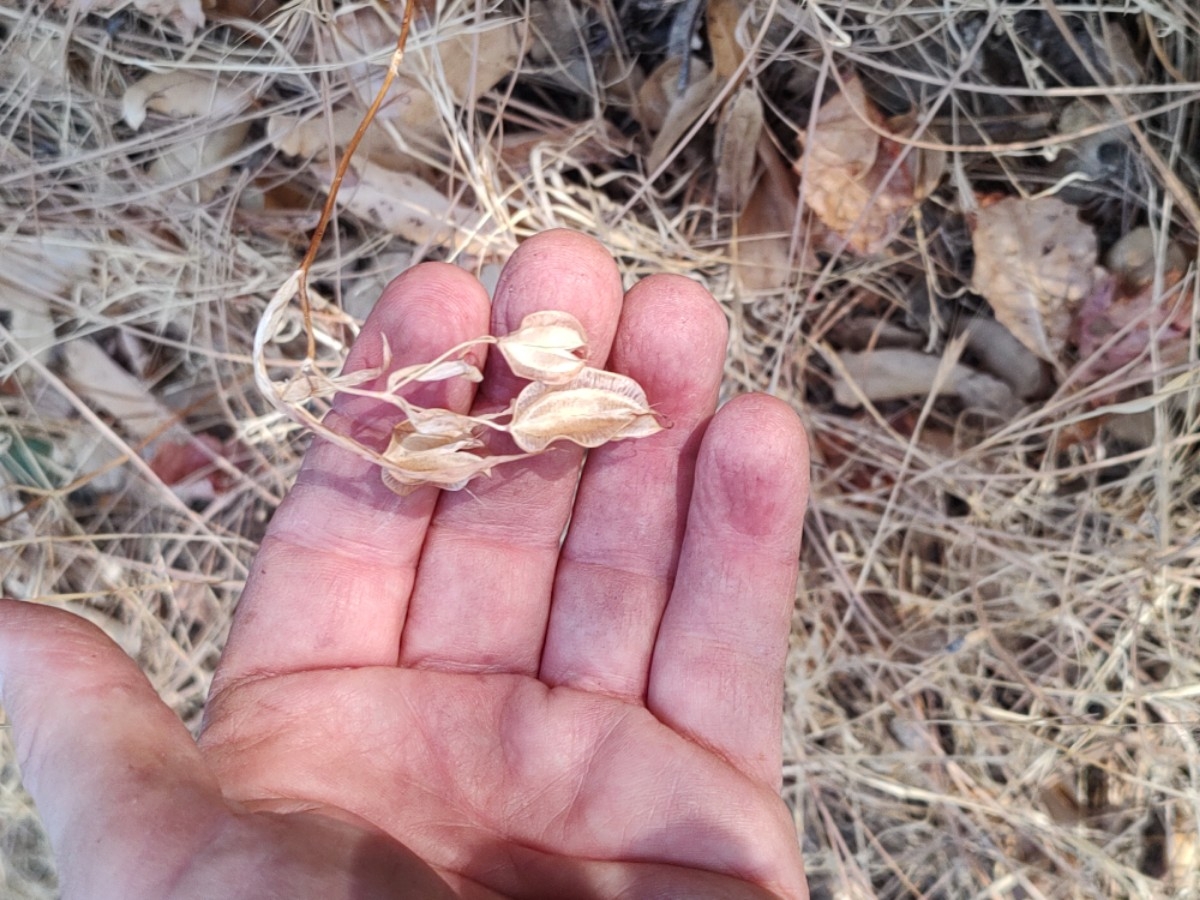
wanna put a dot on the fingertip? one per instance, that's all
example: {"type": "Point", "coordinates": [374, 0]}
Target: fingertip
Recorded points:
{"type": "Point", "coordinates": [564, 270]}
{"type": "Point", "coordinates": [433, 303]}
{"type": "Point", "coordinates": [585, 250]}
{"type": "Point", "coordinates": [686, 292]}
{"type": "Point", "coordinates": [679, 308]}
{"type": "Point", "coordinates": [755, 457]}
{"type": "Point", "coordinates": [29, 629]}
{"type": "Point", "coordinates": [719, 658]}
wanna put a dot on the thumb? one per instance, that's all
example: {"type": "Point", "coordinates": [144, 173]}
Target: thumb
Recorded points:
{"type": "Point", "coordinates": [108, 764]}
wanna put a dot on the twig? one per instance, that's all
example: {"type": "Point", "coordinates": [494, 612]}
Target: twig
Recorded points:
{"type": "Point", "coordinates": [327, 211]}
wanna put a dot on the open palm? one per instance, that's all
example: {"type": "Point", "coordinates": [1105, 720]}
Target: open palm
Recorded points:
{"type": "Point", "coordinates": [440, 694]}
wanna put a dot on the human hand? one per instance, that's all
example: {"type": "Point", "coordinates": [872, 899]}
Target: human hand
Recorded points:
{"type": "Point", "coordinates": [435, 696]}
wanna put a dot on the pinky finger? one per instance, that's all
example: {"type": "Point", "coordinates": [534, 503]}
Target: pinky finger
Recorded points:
{"type": "Point", "coordinates": [717, 672]}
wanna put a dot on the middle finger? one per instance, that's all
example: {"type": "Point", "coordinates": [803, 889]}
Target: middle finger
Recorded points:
{"type": "Point", "coordinates": [482, 595]}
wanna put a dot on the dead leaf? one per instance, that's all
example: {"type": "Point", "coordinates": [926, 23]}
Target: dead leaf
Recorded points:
{"type": "Point", "coordinates": [762, 243]}
{"type": "Point", "coordinates": [183, 94]}
{"type": "Point", "coordinates": [593, 409]}
{"type": "Point", "coordinates": [187, 467]}
{"type": "Point", "coordinates": [1035, 262]}
{"type": "Point", "coordinates": [206, 162]}
{"type": "Point", "coordinates": [998, 352]}
{"type": "Point", "coordinates": [860, 183]}
{"type": "Point", "coordinates": [736, 150]}
{"type": "Point", "coordinates": [205, 159]}
{"type": "Point", "coordinates": [683, 110]}
{"type": "Point", "coordinates": [559, 53]}
{"type": "Point", "coordinates": [721, 20]}
{"type": "Point", "coordinates": [1134, 260]}
{"type": "Point", "coordinates": [658, 93]}
{"type": "Point", "coordinates": [186, 15]}
{"type": "Point", "coordinates": [405, 205]}
{"type": "Point", "coordinates": [879, 375]}
{"type": "Point", "coordinates": [316, 138]}
{"type": "Point", "coordinates": [97, 378]}
{"type": "Point", "coordinates": [38, 274]}
{"type": "Point", "coordinates": [174, 452]}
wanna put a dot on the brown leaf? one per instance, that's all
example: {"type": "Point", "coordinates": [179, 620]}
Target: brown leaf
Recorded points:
{"type": "Point", "coordinates": [721, 18]}
{"type": "Point", "coordinates": [404, 204]}
{"type": "Point", "coordinates": [860, 183]}
{"type": "Point", "coordinates": [762, 243]}
{"type": "Point", "coordinates": [593, 409]}
{"type": "Point", "coordinates": [893, 374]}
{"type": "Point", "coordinates": [736, 150]}
{"type": "Point", "coordinates": [684, 110]}
{"type": "Point", "coordinates": [1035, 261]}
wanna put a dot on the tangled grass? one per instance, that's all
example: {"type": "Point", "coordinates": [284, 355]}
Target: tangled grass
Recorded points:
{"type": "Point", "coordinates": [995, 665]}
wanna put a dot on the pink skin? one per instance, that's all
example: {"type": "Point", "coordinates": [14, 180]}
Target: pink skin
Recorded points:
{"type": "Point", "coordinates": [435, 696]}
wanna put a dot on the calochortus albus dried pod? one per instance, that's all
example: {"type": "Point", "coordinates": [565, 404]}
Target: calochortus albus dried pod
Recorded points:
{"type": "Point", "coordinates": [550, 346]}
{"type": "Point", "coordinates": [592, 409]}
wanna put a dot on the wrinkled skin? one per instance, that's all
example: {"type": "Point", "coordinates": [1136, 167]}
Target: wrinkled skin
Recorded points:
{"type": "Point", "coordinates": [438, 695]}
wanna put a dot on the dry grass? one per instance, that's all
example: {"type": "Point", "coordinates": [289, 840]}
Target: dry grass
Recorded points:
{"type": "Point", "coordinates": [995, 669]}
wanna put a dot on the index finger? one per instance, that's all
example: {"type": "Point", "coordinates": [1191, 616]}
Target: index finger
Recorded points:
{"type": "Point", "coordinates": [331, 582]}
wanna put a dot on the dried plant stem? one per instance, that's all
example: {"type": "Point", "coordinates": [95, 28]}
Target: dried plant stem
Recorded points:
{"type": "Point", "coordinates": [314, 245]}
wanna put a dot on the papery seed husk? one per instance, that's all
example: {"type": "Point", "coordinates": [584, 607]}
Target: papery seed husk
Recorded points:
{"type": "Point", "coordinates": [407, 440]}
{"type": "Point", "coordinates": [403, 482]}
{"type": "Point", "coordinates": [439, 466]}
{"type": "Point", "coordinates": [443, 422]}
{"type": "Point", "coordinates": [592, 409]}
{"type": "Point", "coordinates": [446, 466]}
{"type": "Point", "coordinates": [550, 347]}
{"type": "Point", "coordinates": [550, 328]}
{"type": "Point", "coordinates": [451, 368]}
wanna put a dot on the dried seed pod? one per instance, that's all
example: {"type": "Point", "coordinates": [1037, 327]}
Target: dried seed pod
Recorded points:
{"type": "Point", "coordinates": [442, 423]}
{"type": "Point", "coordinates": [550, 347]}
{"type": "Point", "coordinates": [413, 459]}
{"type": "Point", "coordinates": [590, 410]}
{"type": "Point", "coordinates": [439, 371]}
